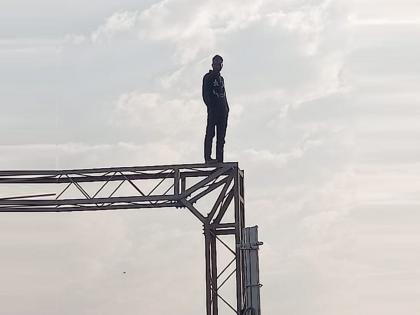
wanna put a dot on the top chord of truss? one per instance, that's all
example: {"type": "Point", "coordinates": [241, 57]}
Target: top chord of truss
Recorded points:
{"type": "Point", "coordinates": [151, 187]}
{"type": "Point", "coordinates": [49, 176]}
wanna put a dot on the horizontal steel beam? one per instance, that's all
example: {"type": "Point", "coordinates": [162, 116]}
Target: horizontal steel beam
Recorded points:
{"type": "Point", "coordinates": [83, 201]}
{"type": "Point", "coordinates": [197, 167]}
{"type": "Point", "coordinates": [175, 173]}
{"type": "Point", "coordinates": [91, 207]}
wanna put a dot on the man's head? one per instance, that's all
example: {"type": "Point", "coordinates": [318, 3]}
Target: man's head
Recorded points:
{"type": "Point", "coordinates": [217, 63]}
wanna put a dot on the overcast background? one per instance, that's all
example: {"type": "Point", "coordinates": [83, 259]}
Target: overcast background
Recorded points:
{"type": "Point", "coordinates": [324, 99]}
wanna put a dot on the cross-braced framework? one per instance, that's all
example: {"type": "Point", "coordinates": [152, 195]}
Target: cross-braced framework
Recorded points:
{"type": "Point", "coordinates": [180, 186]}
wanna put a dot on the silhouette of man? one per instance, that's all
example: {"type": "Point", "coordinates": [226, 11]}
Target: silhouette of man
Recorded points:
{"type": "Point", "coordinates": [214, 97]}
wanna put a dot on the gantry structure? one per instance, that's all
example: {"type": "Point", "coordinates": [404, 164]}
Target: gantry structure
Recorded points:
{"type": "Point", "coordinates": [184, 186]}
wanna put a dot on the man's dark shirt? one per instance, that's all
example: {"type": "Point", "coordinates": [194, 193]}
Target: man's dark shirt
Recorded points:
{"type": "Point", "coordinates": [214, 94]}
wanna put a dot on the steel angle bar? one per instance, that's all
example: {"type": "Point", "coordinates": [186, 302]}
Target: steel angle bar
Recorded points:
{"type": "Point", "coordinates": [199, 185]}
{"type": "Point", "coordinates": [82, 190]}
{"type": "Point", "coordinates": [213, 251]}
{"type": "Point", "coordinates": [223, 225]}
{"type": "Point", "coordinates": [84, 179]}
{"type": "Point", "coordinates": [78, 208]}
{"type": "Point", "coordinates": [239, 221]}
{"type": "Point", "coordinates": [201, 167]}
{"type": "Point", "coordinates": [193, 210]}
{"type": "Point", "coordinates": [201, 170]}
{"type": "Point", "coordinates": [225, 206]}
{"type": "Point", "coordinates": [153, 172]}
{"type": "Point", "coordinates": [192, 174]}
{"type": "Point", "coordinates": [146, 168]}
{"type": "Point", "coordinates": [135, 187]}
{"type": "Point", "coordinates": [228, 265]}
{"type": "Point", "coordinates": [27, 196]}
{"type": "Point", "coordinates": [64, 190]}
{"type": "Point", "coordinates": [203, 182]}
{"type": "Point", "coordinates": [28, 180]}
{"type": "Point", "coordinates": [29, 172]}
{"type": "Point", "coordinates": [106, 169]}
{"type": "Point", "coordinates": [115, 190]}
{"type": "Point", "coordinates": [211, 187]}
{"type": "Point", "coordinates": [166, 191]}
{"type": "Point", "coordinates": [220, 198]}
{"type": "Point", "coordinates": [82, 176]}
{"type": "Point", "coordinates": [227, 278]}
{"type": "Point", "coordinates": [79, 187]}
{"type": "Point", "coordinates": [53, 202]}
{"type": "Point", "coordinates": [176, 181]}
{"type": "Point", "coordinates": [226, 232]}
{"type": "Point", "coordinates": [183, 184]}
{"type": "Point", "coordinates": [227, 246]}
{"type": "Point", "coordinates": [207, 253]}
{"type": "Point", "coordinates": [203, 188]}
{"type": "Point", "coordinates": [139, 190]}
{"type": "Point", "coordinates": [104, 184]}
{"type": "Point", "coordinates": [226, 302]}
{"type": "Point", "coordinates": [157, 186]}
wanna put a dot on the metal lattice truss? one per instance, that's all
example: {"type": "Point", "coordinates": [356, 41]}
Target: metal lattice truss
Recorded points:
{"type": "Point", "coordinates": [181, 186]}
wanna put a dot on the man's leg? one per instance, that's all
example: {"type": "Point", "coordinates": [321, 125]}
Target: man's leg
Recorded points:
{"type": "Point", "coordinates": [208, 139]}
{"type": "Point", "coordinates": [221, 133]}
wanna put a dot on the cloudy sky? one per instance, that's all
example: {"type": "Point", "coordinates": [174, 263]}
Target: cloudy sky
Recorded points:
{"type": "Point", "coordinates": [324, 120]}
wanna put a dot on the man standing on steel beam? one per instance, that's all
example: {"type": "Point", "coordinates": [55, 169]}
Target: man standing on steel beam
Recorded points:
{"type": "Point", "coordinates": [214, 96]}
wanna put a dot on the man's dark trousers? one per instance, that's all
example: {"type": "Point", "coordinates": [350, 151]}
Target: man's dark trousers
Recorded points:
{"type": "Point", "coordinates": [216, 120]}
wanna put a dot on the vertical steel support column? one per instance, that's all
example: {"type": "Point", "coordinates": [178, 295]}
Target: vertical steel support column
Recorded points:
{"type": "Point", "coordinates": [213, 253]}
{"type": "Point", "coordinates": [235, 228]}
{"type": "Point", "coordinates": [242, 216]}
{"type": "Point", "coordinates": [207, 248]}
{"type": "Point", "coordinates": [177, 180]}
{"type": "Point", "coordinates": [239, 221]}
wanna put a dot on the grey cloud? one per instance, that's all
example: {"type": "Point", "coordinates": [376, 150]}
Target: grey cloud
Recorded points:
{"type": "Point", "coordinates": [54, 19]}
{"type": "Point", "coordinates": [155, 117]}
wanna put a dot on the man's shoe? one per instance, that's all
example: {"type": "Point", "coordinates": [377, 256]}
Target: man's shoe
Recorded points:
{"type": "Point", "coordinates": [211, 161]}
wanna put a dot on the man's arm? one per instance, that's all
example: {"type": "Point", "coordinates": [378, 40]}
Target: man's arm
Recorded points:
{"type": "Point", "coordinates": [224, 90]}
{"type": "Point", "coordinates": [206, 91]}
